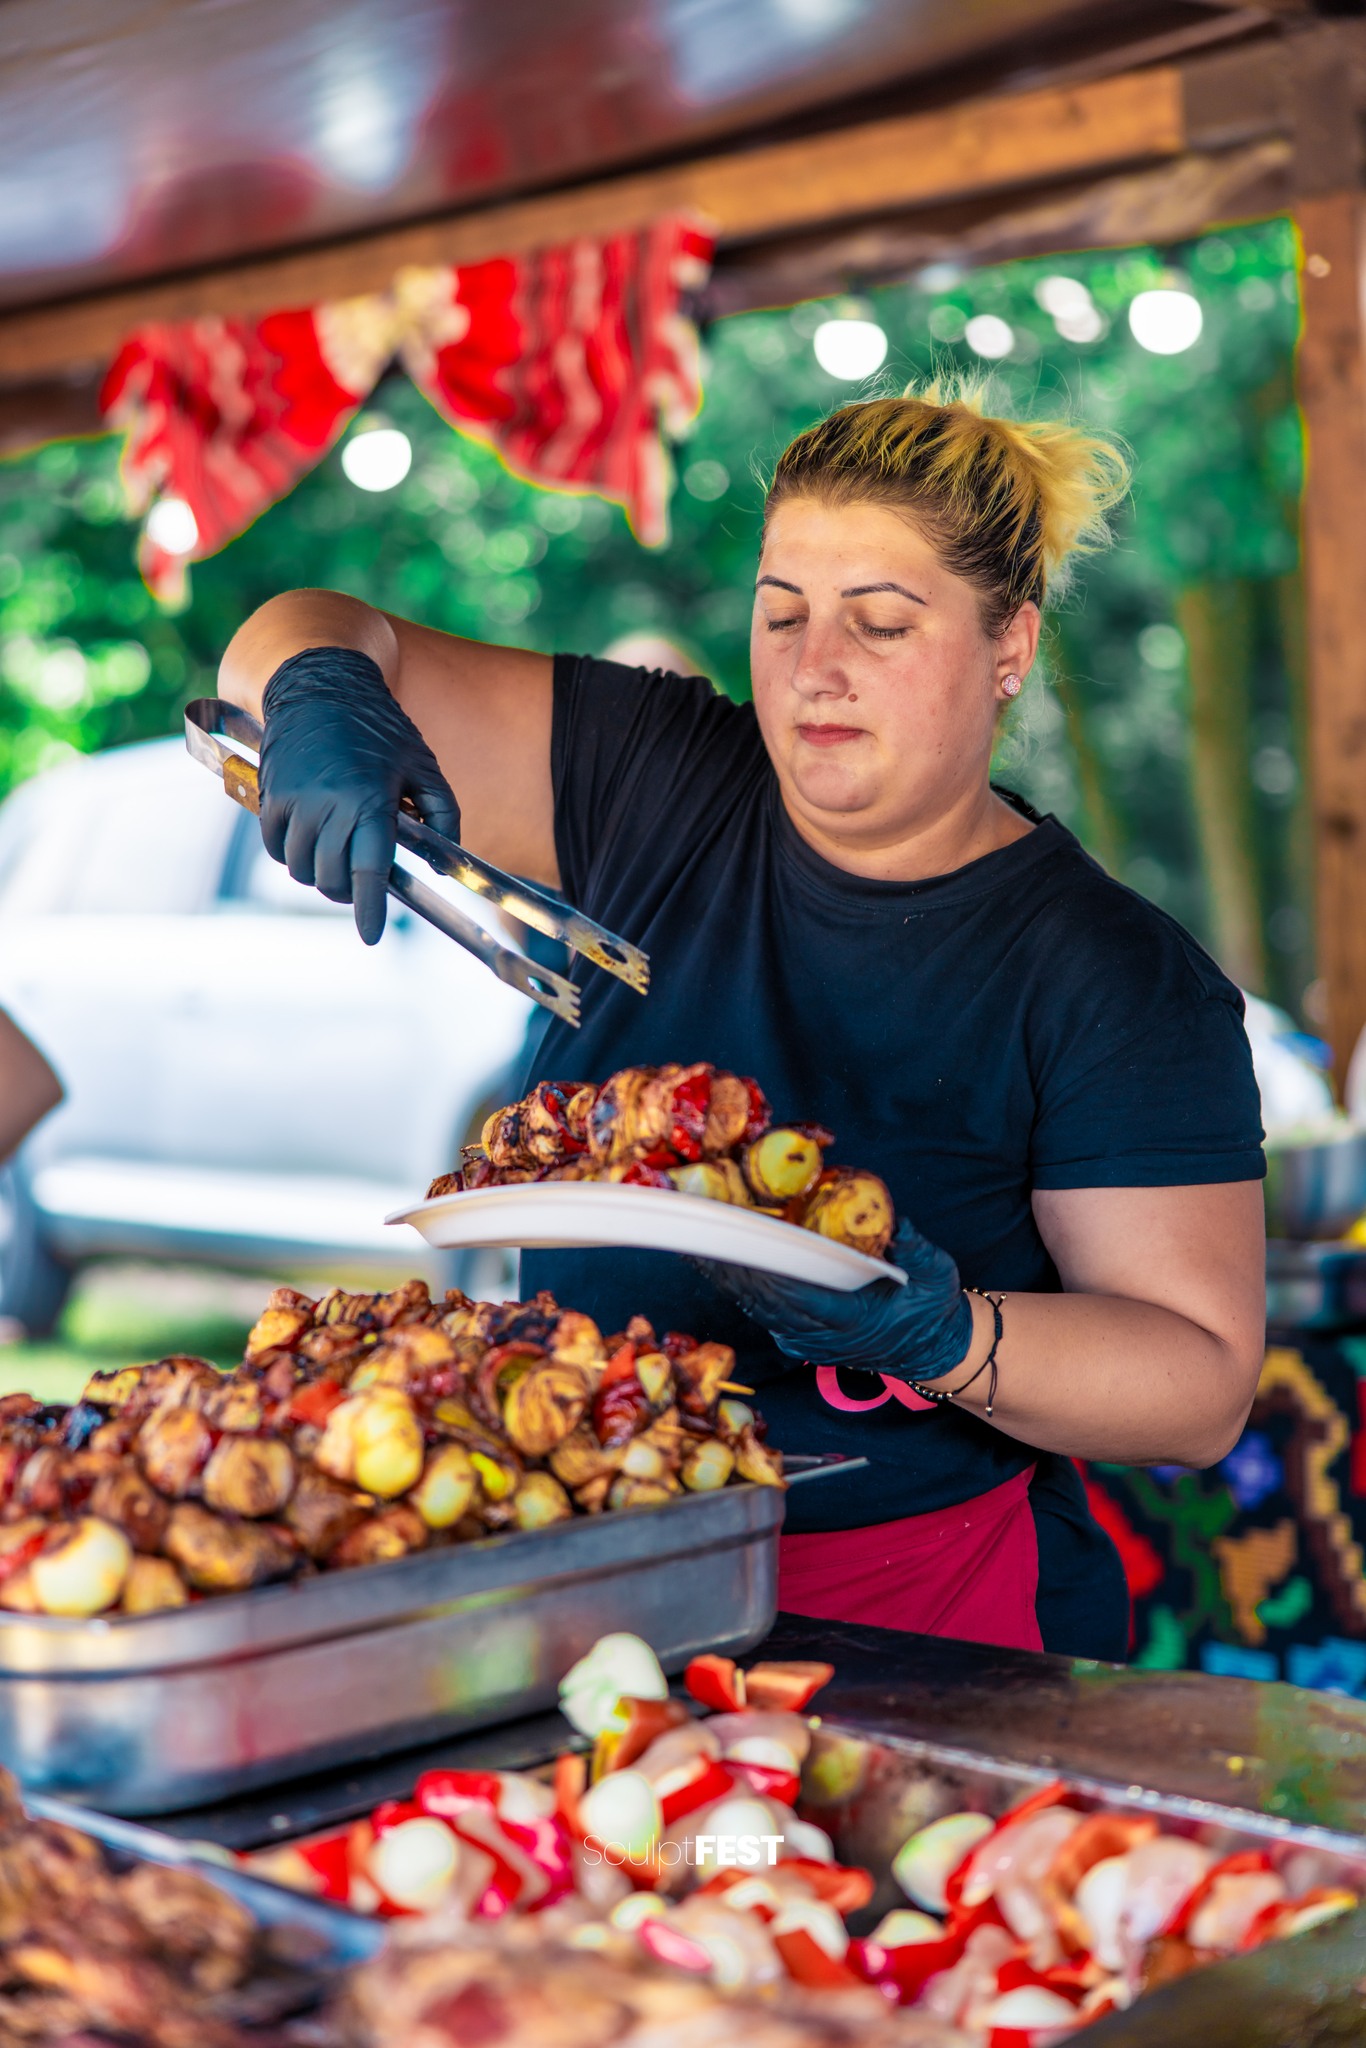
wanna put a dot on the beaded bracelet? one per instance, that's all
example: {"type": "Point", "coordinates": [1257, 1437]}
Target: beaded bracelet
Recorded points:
{"type": "Point", "coordinates": [930, 1393]}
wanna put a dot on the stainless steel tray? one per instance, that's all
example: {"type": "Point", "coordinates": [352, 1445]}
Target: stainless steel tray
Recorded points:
{"type": "Point", "coordinates": [149, 1713]}
{"type": "Point", "coordinates": [322, 1936]}
{"type": "Point", "coordinates": [302, 1950]}
{"type": "Point", "coordinates": [871, 1789]}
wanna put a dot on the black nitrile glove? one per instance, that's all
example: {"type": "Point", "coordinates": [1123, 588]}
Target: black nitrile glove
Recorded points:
{"type": "Point", "coordinates": [917, 1332]}
{"type": "Point", "coordinates": [337, 756]}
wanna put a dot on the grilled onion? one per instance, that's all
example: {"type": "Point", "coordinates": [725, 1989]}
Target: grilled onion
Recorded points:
{"type": "Point", "coordinates": [447, 1487]}
{"type": "Point", "coordinates": [543, 1406]}
{"type": "Point", "coordinates": [153, 1584]}
{"type": "Point", "coordinates": [539, 1501]}
{"type": "Point", "coordinates": [782, 1164]}
{"type": "Point", "coordinates": [82, 1569]}
{"type": "Point", "coordinates": [852, 1207]}
{"type": "Point", "coordinates": [249, 1475]}
{"type": "Point", "coordinates": [219, 1556]}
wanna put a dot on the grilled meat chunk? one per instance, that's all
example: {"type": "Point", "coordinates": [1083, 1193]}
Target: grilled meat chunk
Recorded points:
{"type": "Point", "coordinates": [219, 1556]}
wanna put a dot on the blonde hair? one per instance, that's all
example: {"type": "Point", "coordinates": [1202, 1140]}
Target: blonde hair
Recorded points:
{"type": "Point", "coordinates": [1005, 503]}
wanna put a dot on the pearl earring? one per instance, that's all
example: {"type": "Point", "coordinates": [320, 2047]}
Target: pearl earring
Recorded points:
{"type": "Point", "coordinates": [1011, 686]}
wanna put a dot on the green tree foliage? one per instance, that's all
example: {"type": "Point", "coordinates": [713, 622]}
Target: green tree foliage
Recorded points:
{"type": "Point", "coordinates": [1205, 567]}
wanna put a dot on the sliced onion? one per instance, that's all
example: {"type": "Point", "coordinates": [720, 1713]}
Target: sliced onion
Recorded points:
{"type": "Point", "coordinates": [618, 1666]}
{"type": "Point", "coordinates": [621, 1813]}
{"type": "Point", "coordinates": [414, 1864]}
{"type": "Point", "coordinates": [902, 1928]}
{"type": "Point", "coordinates": [84, 1571]}
{"type": "Point", "coordinates": [923, 1865]}
{"type": "Point", "coordinates": [1030, 2007]}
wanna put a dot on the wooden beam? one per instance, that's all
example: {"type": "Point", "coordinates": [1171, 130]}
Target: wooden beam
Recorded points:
{"type": "Point", "coordinates": [1332, 390]}
{"type": "Point", "coordinates": [909, 160]}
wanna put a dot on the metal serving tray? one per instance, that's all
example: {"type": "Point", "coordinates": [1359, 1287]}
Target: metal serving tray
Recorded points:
{"type": "Point", "coordinates": [149, 1713]}
{"type": "Point", "coordinates": [314, 1934]}
{"type": "Point", "coordinates": [871, 1789]}
{"type": "Point", "coordinates": [303, 1948]}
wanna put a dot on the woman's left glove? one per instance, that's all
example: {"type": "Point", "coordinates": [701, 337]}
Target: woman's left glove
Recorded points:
{"type": "Point", "coordinates": [917, 1332]}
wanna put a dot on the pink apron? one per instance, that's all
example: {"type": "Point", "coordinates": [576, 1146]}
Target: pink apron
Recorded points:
{"type": "Point", "coordinates": [970, 1571]}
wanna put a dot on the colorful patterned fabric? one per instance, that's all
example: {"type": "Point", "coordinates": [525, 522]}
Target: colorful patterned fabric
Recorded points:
{"type": "Point", "coordinates": [1257, 1568]}
{"type": "Point", "coordinates": [571, 362]}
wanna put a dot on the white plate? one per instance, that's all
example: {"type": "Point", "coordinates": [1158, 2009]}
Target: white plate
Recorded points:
{"type": "Point", "coordinates": [546, 1214]}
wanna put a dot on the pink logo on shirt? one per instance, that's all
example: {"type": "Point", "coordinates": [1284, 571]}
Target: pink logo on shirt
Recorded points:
{"type": "Point", "coordinates": [828, 1387]}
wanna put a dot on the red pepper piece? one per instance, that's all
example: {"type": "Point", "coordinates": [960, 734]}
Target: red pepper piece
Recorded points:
{"type": "Point", "coordinates": [647, 1173]}
{"type": "Point", "coordinates": [712, 1781]}
{"type": "Point", "coordinates": [843, 1886]}
{"type": "Point", "coordinates": [760, 1116]}
{"type": "Point", "coordinates": [768, 1781]}
{"type": "Point", "coordinates": [716, 1682]}
{"type": "Point", "coordinates": [620, 1366]}
{"type": "Point", "coordinates": [1016, 1971]}
{"type": "Point", "coordinates": [1077, 1976]}
{"type": "Point", "coordinates": [1239, 1864]}
{"type": "Point", "coordinates": [806, 1962]}
{"type": "Point", "coordinates": [447, 1793]}
{"type": "Point", "coordinates": [1266, 1925]}
{"type": "Point", "coordinates": [330, 1862]}
{"type": "Point", "coordinates": [571, 1782]}
{"type": "Point", "coordinates": [620, 1411]}
{"type": "Point", "coordinates": [689, 1102]}
{"type": "Point", "coordinates": [616, 1749]}
{"type": "Point", "coordinates": [390, 1813]}
{"type": "Point", "coordinates": [910, 1965]}
{"type": "Point", "coordinates": [313, 1404]}
{"type": "Point", "coordinates": [547, 1843]}
{"type": "Point", "coordinates": [785, 1688]}
{"type": "Point", "coordinates": [22, 1554]}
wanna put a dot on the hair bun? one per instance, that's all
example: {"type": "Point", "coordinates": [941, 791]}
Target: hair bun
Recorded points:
{"type": "Point", "coordinates": [1008, 503]}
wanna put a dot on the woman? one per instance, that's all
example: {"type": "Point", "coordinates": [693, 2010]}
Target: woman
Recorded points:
{"type": "Point", "coordinates": [1052, 1077]}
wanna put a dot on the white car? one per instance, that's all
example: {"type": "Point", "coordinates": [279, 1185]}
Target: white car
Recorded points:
{"type": "Point", "coordinates": [247, 1084]}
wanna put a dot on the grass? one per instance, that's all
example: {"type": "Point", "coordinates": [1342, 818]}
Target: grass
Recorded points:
{"type": "Point", "coordinates": [125, 1314]}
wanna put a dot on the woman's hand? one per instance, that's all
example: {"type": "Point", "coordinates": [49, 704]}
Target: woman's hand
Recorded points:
{"type": "Point", "coordinates": [1150, 1356]}
{"type": "Point", "coordinates": [918, 1331]}
{"type": "Point", "coordinates": [338, 757]}
{"type": "Point", "coordinates": [484, 712]}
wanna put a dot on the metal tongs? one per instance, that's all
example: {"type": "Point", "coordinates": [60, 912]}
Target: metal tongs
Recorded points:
{"type": "Point", "coordinates": [210, 722]}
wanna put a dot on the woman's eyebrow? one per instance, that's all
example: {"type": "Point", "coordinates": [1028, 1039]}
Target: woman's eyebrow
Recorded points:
{"type": "Point", "coordinates": [779, 584]}
{"type": "Point", "coordinates": [872, 590]}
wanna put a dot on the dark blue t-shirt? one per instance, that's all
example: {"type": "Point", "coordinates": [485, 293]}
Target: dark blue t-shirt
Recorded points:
{"type": "Point", "coordinates": [1024, 1022]}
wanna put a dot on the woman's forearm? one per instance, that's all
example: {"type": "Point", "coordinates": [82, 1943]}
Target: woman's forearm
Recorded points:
{"type": "Point", "coordinates": [28, 1086]}
{"type": "Point", "coordinates": [1095, 1376]}
{"type": "Point", "coordinates": [296, 619]}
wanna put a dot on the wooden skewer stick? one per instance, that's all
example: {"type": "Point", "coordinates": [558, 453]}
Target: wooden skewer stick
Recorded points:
{"type": "Point", "coordinates": [734, 1387]}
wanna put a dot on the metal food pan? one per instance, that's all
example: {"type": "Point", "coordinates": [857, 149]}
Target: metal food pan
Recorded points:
{"type": "Point", "coordinates": [310, 1932]}
{"type": "Point", "coordinates": [302, 1949]}
{"type": "Point", "coordinates": [871, 1789]}
{"type": "Point", "coordinates": [146, 1714]}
